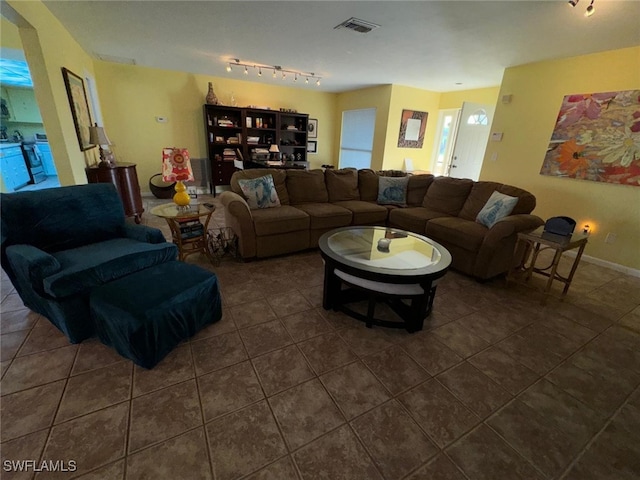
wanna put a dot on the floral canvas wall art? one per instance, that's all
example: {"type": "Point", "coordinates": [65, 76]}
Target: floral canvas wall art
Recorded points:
{"type": "Point", "coordinates": [597, 138]}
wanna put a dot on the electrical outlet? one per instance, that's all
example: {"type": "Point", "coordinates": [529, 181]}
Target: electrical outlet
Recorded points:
{"type": "Point", "coordinates": [611, 238]}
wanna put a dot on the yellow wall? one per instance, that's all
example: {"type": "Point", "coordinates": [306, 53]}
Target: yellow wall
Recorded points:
{"type": "Point", "coordinates": [487, 96]}
{"type": "Point", "coordinates": [48, 47]}
{"type": "Point", "coordinates": [131, 97]}
{"type": "Point", "coordinates": [527, 123]}
{"type": "Point", "coordinates": [374, 97]}
{"type": "Point", "coordinates": [407, 98]}
{"type": "Point", "coordinates": [9, 36]}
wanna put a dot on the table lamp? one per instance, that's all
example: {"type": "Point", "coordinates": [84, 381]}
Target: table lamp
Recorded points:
{"type": "Point", "coordinates": [176, 167]}
{"type": "Point", "coordinates": [97, 136]}
{"type": "Point", "coordinates": [274, 151]}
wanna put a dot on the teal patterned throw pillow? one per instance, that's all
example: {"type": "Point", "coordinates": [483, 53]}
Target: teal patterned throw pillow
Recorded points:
{"type": "Point", "coordinates": [498, 206]}
{"type": "Point", "coordinates": [260, 192]}
{"type": "Point", "coordinates": [392, 190]}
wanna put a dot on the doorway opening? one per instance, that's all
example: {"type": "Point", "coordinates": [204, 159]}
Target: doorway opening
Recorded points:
{"type": "Point", "coordinates": [446, 137]}
{"type": "Point", "coordinates": [462, 140]}
{"type": "Point", "coordinates": [22, 129]}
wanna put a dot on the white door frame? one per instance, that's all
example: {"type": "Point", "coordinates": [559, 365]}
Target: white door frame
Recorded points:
{"type": "Point", "coordinates": [450, 141]}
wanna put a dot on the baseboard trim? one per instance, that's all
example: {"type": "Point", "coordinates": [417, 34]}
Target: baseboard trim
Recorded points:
{"type": "Point", "coordinates": [633, 272]}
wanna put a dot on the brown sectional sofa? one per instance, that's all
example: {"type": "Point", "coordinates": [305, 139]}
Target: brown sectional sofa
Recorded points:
{"type": "Point", "coordinates": [442, 208]}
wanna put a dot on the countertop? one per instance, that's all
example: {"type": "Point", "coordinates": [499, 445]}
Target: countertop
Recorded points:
{"type": "Point", "coordinates": [9, 144]}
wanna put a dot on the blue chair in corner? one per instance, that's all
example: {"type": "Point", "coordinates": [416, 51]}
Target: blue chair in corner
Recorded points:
{"type": "Point", "coordinates": [59, 244]}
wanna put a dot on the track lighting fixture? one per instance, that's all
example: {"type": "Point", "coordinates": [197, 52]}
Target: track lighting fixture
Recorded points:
{"type": "Point", "coordinates": [235, 62]}
{"type": "Point", "coordinates": [590, 8]}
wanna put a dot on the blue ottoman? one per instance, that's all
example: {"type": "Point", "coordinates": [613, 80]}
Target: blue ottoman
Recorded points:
{"type": "Point", "coordinates": [144, 315]}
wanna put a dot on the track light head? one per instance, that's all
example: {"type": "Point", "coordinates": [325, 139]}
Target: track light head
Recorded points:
{"type": "Point", "coordinates": [573, 3]}
{"type": "Point", "coordinates": [590, 9]}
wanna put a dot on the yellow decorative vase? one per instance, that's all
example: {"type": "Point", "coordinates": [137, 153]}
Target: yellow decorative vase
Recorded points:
{"type": "Point", "coordinates": [181, 198]}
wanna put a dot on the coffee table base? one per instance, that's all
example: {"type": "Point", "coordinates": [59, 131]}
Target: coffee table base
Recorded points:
{"type": "Point", "coordinates": [420, 296]}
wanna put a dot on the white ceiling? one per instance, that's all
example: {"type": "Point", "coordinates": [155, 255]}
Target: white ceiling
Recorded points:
{"type": "Point", "coordinates": [432, 45]}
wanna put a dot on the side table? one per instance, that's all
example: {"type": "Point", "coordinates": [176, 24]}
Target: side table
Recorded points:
{"type": "Point", "coordinates": [125, 179]}
{"type": "Point", "coordinates": [538, 241]}
{"type": "Point", "coordinates": [175, 215]}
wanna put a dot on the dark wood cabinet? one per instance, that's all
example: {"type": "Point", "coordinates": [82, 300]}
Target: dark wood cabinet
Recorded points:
{"type": "Point", "coordinates": [125, 179]}
{"type": "Point", "coordinates": [241, 137]}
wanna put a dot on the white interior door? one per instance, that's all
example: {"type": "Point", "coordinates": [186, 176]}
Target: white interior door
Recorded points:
{"type": "Point", "coordinates": [471, 140]}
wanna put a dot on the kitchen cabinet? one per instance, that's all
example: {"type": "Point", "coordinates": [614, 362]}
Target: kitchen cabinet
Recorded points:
{"type": "Point", "coordinates": [13, 168]}
{"type": "Point", "coordinates": [24, 106]}
{"type": "Point", "coordinates": [47, 159]}
{"type": "Point", "coordinates": [6, 112]}
{"type": "Point", "coordinates": [19, 105]}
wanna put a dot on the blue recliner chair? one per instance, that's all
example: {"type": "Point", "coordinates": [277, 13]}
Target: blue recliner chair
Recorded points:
{"type": "Point", "coordinates": [58, 244]}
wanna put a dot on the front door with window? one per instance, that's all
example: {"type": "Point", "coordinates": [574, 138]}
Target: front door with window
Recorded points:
{"type": "Point", "coordinates": [471, 140]}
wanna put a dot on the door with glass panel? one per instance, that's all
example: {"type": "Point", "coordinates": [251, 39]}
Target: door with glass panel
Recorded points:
{"type": "Point", "coordinates": [471, 140]}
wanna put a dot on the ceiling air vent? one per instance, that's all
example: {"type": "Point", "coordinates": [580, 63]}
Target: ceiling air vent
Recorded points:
{"type": "Point", "coordinates": [357, 25]}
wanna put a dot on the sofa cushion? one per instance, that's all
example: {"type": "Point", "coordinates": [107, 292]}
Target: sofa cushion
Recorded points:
{"type": "Point", "coordinates": [417, 189]}
{"type": "Point", "coordinates": [279, 180]}
{"type": "Point", "coordinates": [259, 192]}
{"type": "Point", "coordinates": [306, 186]}
{"type": "Point", "coordinates": [271, 221]}
{"type": "Point", "coordinates": [413, 219]}
{"type": "Point", "coordinates": [480, 193]}
{"type": "Point", "coordinates": [342, 185]}
{"type": "Point", "coordinates": [392, 190]}
{"type": "Point", "coordinates": [326, 215]}
{"type": "Point", "coordinates": [497, 207]}
{"type": "Point", "coordinates": [447, 195]}
{"type": "Point", "coordinates": [368, 185]}
{"type": "Point", "coordinates": [84, 268]}
{"type": "Point", "coordinates": [365, 213]}
{"type": "Point", "coordinates": [465, 234]}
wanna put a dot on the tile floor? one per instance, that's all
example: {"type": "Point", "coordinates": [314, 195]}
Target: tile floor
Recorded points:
{"type": "Point", "coordinates": [495, 387]}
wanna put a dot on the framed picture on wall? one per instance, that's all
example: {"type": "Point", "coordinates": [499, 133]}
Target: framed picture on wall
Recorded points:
{"type": "Point", "coordinates": [312, 128]}
{"type": "Point", "coordinates": [79, 107]}
{"type": "Point", "coordinates": [312, 147]}
{"type": "Point", "coordinates": [412, 127]}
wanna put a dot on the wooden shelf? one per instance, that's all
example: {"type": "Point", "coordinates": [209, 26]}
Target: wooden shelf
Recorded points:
{"type": "Point", "coordinates": [268, 125]}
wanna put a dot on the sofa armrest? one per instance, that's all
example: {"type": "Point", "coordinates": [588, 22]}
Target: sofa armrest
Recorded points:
{"type": "Point", "coordinates": [142, 233]}
{"type": "Point", "coordinates": [238, 217]}
{"type": "Point", "coordinates": [497, 252]}
{"type": "Point", "coordinates": [32, 264]}
{"type": "Point", "coordinates": [511, 225]}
